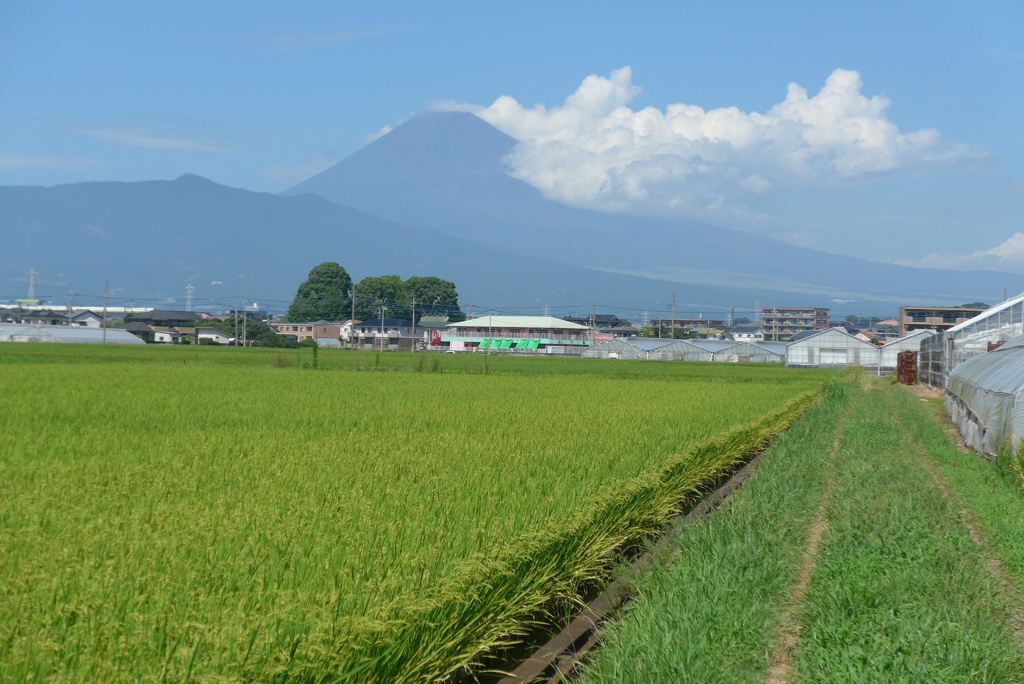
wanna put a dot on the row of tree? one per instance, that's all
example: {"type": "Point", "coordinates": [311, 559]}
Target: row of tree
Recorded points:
{"type": "Point", "coordinates": [327, 294]}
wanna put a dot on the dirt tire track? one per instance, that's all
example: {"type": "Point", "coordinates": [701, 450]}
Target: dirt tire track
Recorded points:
{"type": "Point", "coordinates": [788, 639]}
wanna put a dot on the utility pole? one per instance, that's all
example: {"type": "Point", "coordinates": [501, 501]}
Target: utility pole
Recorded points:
{"type": "Point", "coordinates": [672, 330]}
{"type": "Point", "coordinates": [414, 324]}
{"type": "Point", "coordinates": [382, 310]}
{"type": "Point", "coordinates": [106, 289]}
{"type": "Point", "coordinates": [244, 316]}
{"type": "Point", "coordinates": [352, 323]}
{"type": "Point", "coordinates": [235, 320]}
{"type": "Point", "coordinates": [67, 319]}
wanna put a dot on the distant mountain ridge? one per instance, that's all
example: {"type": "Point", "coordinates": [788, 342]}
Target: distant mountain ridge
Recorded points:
{"type": "Point", "coordinates": [444, 170]}
{"type": "Point", "coordinates": [156, 237]}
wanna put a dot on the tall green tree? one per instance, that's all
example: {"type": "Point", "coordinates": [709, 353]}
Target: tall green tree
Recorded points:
{"type": "Point", "coordinates": [431, 295]}
{"type": "Point", "coordinates": [325, 294]}
{"type": "Point", "coordinates": [373, 292]}
{"type": "Point", "coordinates": [434, 295]}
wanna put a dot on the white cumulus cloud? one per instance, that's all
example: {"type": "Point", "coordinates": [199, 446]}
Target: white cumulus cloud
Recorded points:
{"type": "Point", "coordinates": [1008, 256]}
{"type": "Point", "coordinates": [595, 151]}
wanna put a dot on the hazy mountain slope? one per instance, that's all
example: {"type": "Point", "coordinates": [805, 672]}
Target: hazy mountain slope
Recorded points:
{"type": "Point", "coordinates": [153, 238]}
{"type": "Point", "coordinates": [444, 170]}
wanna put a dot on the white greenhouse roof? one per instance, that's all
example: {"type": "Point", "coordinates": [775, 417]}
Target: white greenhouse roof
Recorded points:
{"type": "Point", "coordinates": [988, 312]}
{"type": "Point", "coordinates": [774, 347]}
{"type": "Point", "coordinates": [541, 322]}
{"type": "Point", "coordinates": [1013, 343]}
{"type": "Point", "coordinates": [649, 343]}
{"type": "Point", "coordinates": [912, 340]}
{"type": "Point", "coordinates": [831, 336]}
{"type": "Point", "coordinates": [60, 333]}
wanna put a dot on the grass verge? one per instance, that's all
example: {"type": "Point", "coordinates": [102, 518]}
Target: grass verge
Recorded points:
{"type": "Point", "coordinates": [901, 593]}
{"type": "Point", "coordinates": [903, 590]}
{"type": "Point", "coordinates": [712, 613]}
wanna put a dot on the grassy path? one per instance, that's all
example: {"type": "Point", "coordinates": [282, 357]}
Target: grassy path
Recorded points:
{"type": "Point", "coordinates": [867, 548]}
{"type": "Point", "coordinates": [788, 638]}
{"type": "Point", "coordinates": [901, 592]}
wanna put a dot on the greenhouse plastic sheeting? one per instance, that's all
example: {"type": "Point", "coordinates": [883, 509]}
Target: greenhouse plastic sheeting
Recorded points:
{"type": "Point", "coordinates": [984, 398]}
{"type": "Point", "coordinates": [66, 334]}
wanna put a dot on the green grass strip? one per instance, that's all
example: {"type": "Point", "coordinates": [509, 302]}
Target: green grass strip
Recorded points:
{"type": "Point", "coordinates": [900, 592]}
{"type": "Point", "coordinates": [712, 614]}
{"type": "Point", "coordinates": [991, 492]}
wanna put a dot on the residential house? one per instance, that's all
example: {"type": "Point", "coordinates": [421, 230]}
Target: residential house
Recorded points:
{"type": "Point", "coordinates": [297, 332]}
{"type": "Point", "coordinates": [389, 333]}
{"type": "Point", "coordinates": [748, 332]}
{"type": "Point", "coordinates": [214, 335]}
{"type": "Point", "coordinates": [607, 325]}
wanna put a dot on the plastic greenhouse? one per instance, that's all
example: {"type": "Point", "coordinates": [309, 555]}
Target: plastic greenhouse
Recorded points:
{"type": "Point", "coordinates": [985, 398]}
{"type": "Point", "coordinates": [65, 334]}
{"type": "Point", "coordinates": [654, 349]}
{"type": "Point", "coordinates": [630, 348]}
{"type": "Point", "coordinates": [942, 353]}
{"type": "Point", "coordinates": [911, 342]}
{"type": "Point", "coordinates": [832, 348]}
{"type": "Point", "coordinates": [728, 351]}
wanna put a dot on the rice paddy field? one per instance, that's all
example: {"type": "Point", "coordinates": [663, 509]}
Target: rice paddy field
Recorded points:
{"type": "Point", "coordinates": [207, 514]}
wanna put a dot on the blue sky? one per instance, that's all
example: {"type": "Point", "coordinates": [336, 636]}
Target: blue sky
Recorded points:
{"type": "Point", "coordinates": [913, 154]}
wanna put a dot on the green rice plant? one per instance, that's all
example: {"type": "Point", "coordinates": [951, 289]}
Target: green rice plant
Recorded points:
{"type": "Point", "coordinates": [345, 359]}
{"type": "Point", "coordinates": [220, 520]}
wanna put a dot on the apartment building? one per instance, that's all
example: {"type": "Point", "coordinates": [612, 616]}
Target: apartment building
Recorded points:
{"type": "Point", "coordinates": [933, 317]}
{"type": "Point", "coordinates": [782, 323]}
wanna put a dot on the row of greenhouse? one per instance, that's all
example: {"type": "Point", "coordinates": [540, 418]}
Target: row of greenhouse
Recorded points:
{"type": "Point", "coordinates": [833, 348]}
{"type": "Point", "coordinates": [980, 365]}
